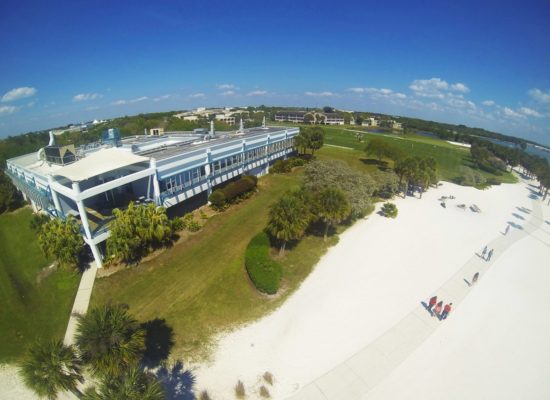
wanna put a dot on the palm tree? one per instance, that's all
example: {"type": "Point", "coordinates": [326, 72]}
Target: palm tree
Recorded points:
{"type": "Point", "coordinates": [333, 207]}
{"type": "Point", "coordinates": [110, 340]}
{"type": "Point", "coordinates": [62, 240]}
{"type": "Point", "coordinates": [50, 367]}
{"type": "Point", "coordinates": [288, 219]}
{"type": "Point", "coordinates": [134, 384]}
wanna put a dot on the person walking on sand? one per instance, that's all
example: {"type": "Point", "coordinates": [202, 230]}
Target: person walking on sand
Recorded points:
{"type": "Point", "coordinates": [431, 303]}
{"type": "Point", "coordinates": [446, 311]}
{"type": "Point", "coordinates": [474, 279]}
{"type": "Point", "coordinates": [484, 252]}
{"type": "Point", "coordinates": [489, 255]}
{"type": "Point", "coordinates": [437, 309]}
{"type": "Point", "coordinates": [506, 230]}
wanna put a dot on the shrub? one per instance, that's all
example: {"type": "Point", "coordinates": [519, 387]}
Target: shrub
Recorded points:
{"type": "Point", "coordinates": [178, 224]}
{"type": "Point", "coordinates": [264, 272]}
{"type": "Point", "coordinates": [389, 210]}
{"type": "Point", "coordinates": [193, 226]}
{"type": "Point", "coordinates": [469, 177]}
{"type": "Point", "coordinates": [37, 220]}
{"type": "Point", "coordinates": [237, 188]}
{"type": "Point", "coordinates": [239, 390]}
{"type": "Point", "coordinates": [280, 167]}
{"type": "Point", "coordinates": [203, 215]}
{"type": "Point", "coordinates": [204, 396]}
{"type": "Point", "coordinates": [296, 162]}
{"type": "Point", "coordinates": [264, 392]}
{"type": "Point", "coordinates": [217, 199]}
{"type": "Point", "coordinates": [268, 377]}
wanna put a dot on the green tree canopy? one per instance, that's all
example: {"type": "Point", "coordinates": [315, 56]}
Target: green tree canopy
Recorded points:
{"type": "Point", "coordinates": [332, 208]}
{"type": "Point", "coordinates": [110, 340]}
{"type": "Point", "coordinates": [357, 186]}
{"type": "Point", "coordinates": [288, 218]}
{"type": "Point", "coordinates": [133, 384]}
{"type": "Point", "coordinates": [62, 240]}
{"type": "Point", "coordinates": [380, 148]}
{"type": "Point", "coordinates": [51, 367]}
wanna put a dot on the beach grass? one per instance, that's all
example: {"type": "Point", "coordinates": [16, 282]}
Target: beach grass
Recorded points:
{"type": "Point", "coordinates": [34, 304]}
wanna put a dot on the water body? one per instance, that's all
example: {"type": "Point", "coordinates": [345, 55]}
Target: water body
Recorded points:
{"type": "Point", "coordinates": [530, 149]}
{"type": "Point", "coordinates": [427, 134]}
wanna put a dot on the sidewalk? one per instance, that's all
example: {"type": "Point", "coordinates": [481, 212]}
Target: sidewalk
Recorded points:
{"type": "Point", "coordinates": [81, 301]}
{"type": "Point", "coordinates": [358, 375]}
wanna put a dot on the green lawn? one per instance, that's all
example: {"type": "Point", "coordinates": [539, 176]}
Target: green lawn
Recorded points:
{"type": "Point", "coordinates": [29, 309]}
{"type": "Point", "coordinates": [200, 285]}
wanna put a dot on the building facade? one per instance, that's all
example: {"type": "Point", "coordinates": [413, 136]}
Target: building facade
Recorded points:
{"type": "Point", "coordinates": [165, 170]}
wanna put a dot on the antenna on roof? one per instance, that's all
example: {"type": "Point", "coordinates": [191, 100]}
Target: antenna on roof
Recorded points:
{"type": "Point", "coordinates": [263, 123]}
{"type": "Point", "coordinates": [212, 127]}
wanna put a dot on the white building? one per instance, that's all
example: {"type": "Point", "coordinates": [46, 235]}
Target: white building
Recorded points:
{"type": "Point", "coordinates": [90, 181]}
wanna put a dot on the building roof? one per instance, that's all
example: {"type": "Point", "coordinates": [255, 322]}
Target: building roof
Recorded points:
{"type": "Point", "coordinates": [97, 163]}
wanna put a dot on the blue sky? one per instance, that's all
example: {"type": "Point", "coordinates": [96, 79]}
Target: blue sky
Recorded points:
{"type": "Point", "coordinates": [482, 63]}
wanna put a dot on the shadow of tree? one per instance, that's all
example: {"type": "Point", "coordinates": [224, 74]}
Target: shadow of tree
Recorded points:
{"type": "Point", "coordinates": [159, 340]}
{"type": "Point", "coordinates": [382, 165]}
{"type": "Point", "coordinates": [514, 225]}
{"type": "Point", "coordinates": [518, 216]}
{"type": "Point", "coordinates": [178, 383]}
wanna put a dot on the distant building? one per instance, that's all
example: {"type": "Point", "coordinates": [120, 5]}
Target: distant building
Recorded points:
{"type": "Point", "coordinates": [227, 118]}
{"type": "Point", "coordinates": [291, 116]}
{"type": "Point", "coordinates": [333, 119]}
{"type": "Point", "coordinates": [370, 122]}
{"type": "Point", "coordinates": [157, 131]}
{"type": "Point", "coordinates": [396, 125]}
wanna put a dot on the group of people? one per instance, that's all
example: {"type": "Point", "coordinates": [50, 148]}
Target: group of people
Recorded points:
{"type": "Point", "coordinates": [436, 308]}
{"type": "Point", "coordinates": [486, 254]}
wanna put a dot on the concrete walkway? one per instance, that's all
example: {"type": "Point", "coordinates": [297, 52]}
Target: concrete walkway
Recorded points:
{"type": "Point", "coordinates": [81, 302]}
{"type": "Point", "coordinates": [358, 375]}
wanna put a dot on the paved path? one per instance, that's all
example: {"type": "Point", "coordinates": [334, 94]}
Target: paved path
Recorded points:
{"type": "Point", "coordinates": [81, 301]}
{"type": "Point", "coordinates": [358, 375]}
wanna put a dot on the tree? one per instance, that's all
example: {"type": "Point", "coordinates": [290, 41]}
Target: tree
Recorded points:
{"type": "Point", "coordinates": [110, 340]}
{"type": "Point", "coordinates": [357, 186]}
{"type": "Point", "coordinates": [50, 367]}
{"type": "Point", "coordinates": [389, 210]}
{"type": "Point", "coordinates": [10, 199]}
{"type": "Point", "coordinates": [316, 139]}
{"type": "Point", "coordinates": [406, 169]}
{"type": "Point", "coordinates": [333, 207]}
{"type": "Point", "coordinates": [309, 118]}
{"type": "Point", "coordinates": [328, 109]}
{"type": "Point", "coordinates": [62, 240]}
{"type": "Point", "coordinates": [381, 148]}
{"type": "Point", "coordinates": [133, 384]}
{"type": "Point", "coordinates": [137, 230]}
{"type": "Point", "coordinates": [288, 219]}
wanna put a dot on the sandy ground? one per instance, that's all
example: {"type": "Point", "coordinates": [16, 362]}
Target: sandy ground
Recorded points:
{"type": "Point", "coordinates": [380, 270]}
{"type": "Point", "coordinates": [494, 345]}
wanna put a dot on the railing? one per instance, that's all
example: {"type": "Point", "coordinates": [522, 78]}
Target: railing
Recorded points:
{"type": "Point", "coordinates": [38, 195]}
{"type": "Point", "coordinates": [181, 188]}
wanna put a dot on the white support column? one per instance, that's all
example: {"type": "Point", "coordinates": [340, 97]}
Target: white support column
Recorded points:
{"type": "Point", "coordinates": [97, 255]}
{"type": "Point", "coordinates": [82, 211]}
{"type": "Point", "coordinates": [156, 186]}
{"type": "Point", "coordinates": [208, 171]}
{"type": "Point", "coordinates": [56, 203]}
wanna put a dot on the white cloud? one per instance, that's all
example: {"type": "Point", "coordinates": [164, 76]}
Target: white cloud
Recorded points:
{"type": "Point", "coordinates": [196, 95]}
{"type": "Point", "coordinates": [226, 86]}
{"type": "Point", "coordinates": [163, 97]}
{"type": "Point", "coordinates": [459, 102]}
{"type": "Point", "coordinates": [228, 93]}
{"type": "Point", "coordinates": [257, 93]}
{"type": "Point", "coordinates": [87, 96]}
{"type": "Point", "coordinates": [136, 100]}
{"type": "Point", "coordinates": [7, 110]}
{"type": "Point", "coordinates": [508, 112]}
{"type": "Point", "coordinates": [530, 112]}
{"type": "Point", "coordinates": [539, 95]}
{"type": "Point", "coordinates": [436, 88]}
{"type": "Point", "coordinates": [460, 87]}
{"type": "Point", "coordinates": [18, 93]}
{"type": "Point", "coordinates": [488, 103]}
{"type": "Point", "coordinates": [319, 94]}
{"type": "Point", "coordinates": [92, 108]}
{"type": "Point", "coordinates": [357, 89]}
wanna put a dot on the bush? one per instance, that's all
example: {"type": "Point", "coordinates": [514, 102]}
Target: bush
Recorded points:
{"type": "Point", "coordinates": [469, 177]}
{"type": "Point", "coordinates": [264, 392]}
{"type": "Point", "coordinates": [268, 377]}
{"type": "Point", "coordinates": [190, 224]}
{"type": "Point", "coordinates": [217, 199]}
{"type": "Point", "coordinates": [178, 224]}
{"type": "Point", "coordinates": [237, 188]}
{"type": "Point", "coordinates": [389, 210]}
{"type": "Point", "coordinates": [285, 166]}
{"type": "Point", "coordinates": [239, 390]}
{"type": "Point", "coordinates": [264, 272]}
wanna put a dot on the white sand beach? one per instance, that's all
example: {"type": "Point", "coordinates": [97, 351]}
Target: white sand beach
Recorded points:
{"type": "Point", "coordinates": [493, 345]}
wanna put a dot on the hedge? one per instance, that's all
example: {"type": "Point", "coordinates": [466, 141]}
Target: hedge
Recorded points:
{"type": "Point", "coordinates": [264, 272]}
{"type": "Point", "coordinates": [233, 190]}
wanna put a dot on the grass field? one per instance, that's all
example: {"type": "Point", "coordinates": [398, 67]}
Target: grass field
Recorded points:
{"type": "Point", "coordinates": [200, 285]}
{"type": "Point", "coordinates": [29, 309]}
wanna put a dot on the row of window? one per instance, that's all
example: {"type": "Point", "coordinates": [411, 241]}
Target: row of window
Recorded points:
{"type": "Point", "coordinates": [191, 177]}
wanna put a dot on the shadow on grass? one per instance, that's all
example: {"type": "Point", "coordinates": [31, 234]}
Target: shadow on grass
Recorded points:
{"type": "Point", "coordinates": [159, 340]}
{"type": "Point", "coordinates": [178, 383]}
{"type": "Point", "coordinates": [382, 165]}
